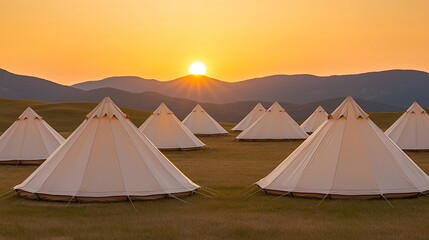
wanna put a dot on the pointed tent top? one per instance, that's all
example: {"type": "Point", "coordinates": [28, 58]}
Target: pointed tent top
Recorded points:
{"type": "Point", "coordinates": [274, 124]}
{"type": "Point", "coordinates": [162, 109]}
{"type": "Point", "coordinates": [106, 108]}
{"type": "Point", "coordinates": [319, 109]}
{"type": "Point", "coordinates": [316, 119]}
{"type": "Point", "coordinates": [29, 113]}
{"type": "Point", "coordinates": [198, 108]}
{"type": "Point", "coordinates": [200, 122]}
{"type": "Point", "coordinates": [250, 118]}
{"type": "Point", "coordinates": [276, 107]}
{"type": "Point", "coordinates": [349, 108]}
{"type": "Point", "coordinates": [28, 140]}
{"type": "Point", "coordinates": [167, 132]}
{"type": "Point", "coordinates": [411, 130]}
{"type": "Point", "coordinates": [259, 107]}
{"type": "Point", "coordinates": [415, 108]}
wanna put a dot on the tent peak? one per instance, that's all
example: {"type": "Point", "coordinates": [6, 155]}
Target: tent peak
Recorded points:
{"type": "Point", "coordinates": [29, 113]}
{"type": "Point", "coordinates": [276, 107]}
{"type": "Point", "coordinates": [162, 109]}
{"type": "Point", "coordinates": [319, 109]}
{"type": "Point", "coordinates": [259, 107]}
{"type": "Point", "coordinates": [198, 108]}
{"type": "Point", "coordinates": [274, 124]}
{"type": "Point", "coordinates": [316, 119]}
{"type": "Point", "coordinates": [106, 108]}
{"type": "Point", "coordinates": [411, 130]}
{"type": "Point", "coordinates": [349, 108]}
{"type": "Point", "coordinates": [415, 108]}
{"type": "Point", "coordinates": [29, 140]}
{"type": "Point", "coordinates": [167, 132]}
{"type": "Point", "coordinates": [200, 122]}
{"type": "Point", "coordinates": [250, 118]}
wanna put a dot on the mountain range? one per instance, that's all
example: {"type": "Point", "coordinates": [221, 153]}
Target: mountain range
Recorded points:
{"type": "Point", "coordinates": [393, 87]}
{"type": "Point", "coordinates": [229, 102]}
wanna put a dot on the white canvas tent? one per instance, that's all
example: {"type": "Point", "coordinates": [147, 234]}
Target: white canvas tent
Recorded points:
{"type": "Point", "coordinates": [411, 130]}
{"type": "Point", "coordinates": [106, 159]}
{"type": "Point", "coordinates": [167, 132]}
{"type": "Point", "coordinates": [29, 140]}
{"type": "Point", "coordinates": [347, 157]}
{"type": "Point", "coordinates": [199, 122]}
{"type": "Point", "coordinates": [274, 124]}
{"type": "Point", "coordinates": [254, 115]}
{"type": "Point", "coordinates": [315, 120]}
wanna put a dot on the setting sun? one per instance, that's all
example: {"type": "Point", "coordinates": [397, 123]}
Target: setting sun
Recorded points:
{"type": "Point", "coordinates": [197, 68]}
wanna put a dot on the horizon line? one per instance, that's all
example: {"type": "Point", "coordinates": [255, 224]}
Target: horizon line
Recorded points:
{"type": "Point", "coordinates": [218, 79]}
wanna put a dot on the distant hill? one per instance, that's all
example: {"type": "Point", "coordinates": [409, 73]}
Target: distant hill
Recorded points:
{"type": "Point", "coordinates": [393, 87]}
{"type": "Point", "coordinates": [125, 83]}
{"type": "Point", "coordinates": [197, 88]}
{"type": "Point", "coordinates": [64, 117]}
{"type": "Point", "coordinates": [32, 88]}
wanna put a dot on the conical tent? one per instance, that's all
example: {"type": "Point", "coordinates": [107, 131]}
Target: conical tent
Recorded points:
{"type": "Point", "coordinates": [347, 157]}
{"type": "Point", "coordinates": [29, 140]}
{"type": "Point", "coordinates": [106, 159]}
{"type": "Point", "coordinates": [274, 124]}
{"type": "Point", "coordinates": [254, 115]}
{"type": "Point", "coordinates": [199, 122]}
{"type": "Point", "coordinates": [167, 132]}
{"type": "Point", "coordinates": [315, 120]}
{"type": "Point", "coordinates": [411, 130]}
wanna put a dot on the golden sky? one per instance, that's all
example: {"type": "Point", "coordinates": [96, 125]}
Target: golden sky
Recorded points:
{"type": "Point", "coordinates": [70, 41]}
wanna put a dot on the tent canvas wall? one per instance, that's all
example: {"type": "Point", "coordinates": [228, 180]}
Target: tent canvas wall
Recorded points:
{"type": "Point", "coordinates": [254, 115]}
{"type": "Point", "coordinates": [167, 132]}
{"type": "Point", "coordinates": [274, 124]}
{"type": "Point", "coordinates": [347, 157]}
{"type": "Point", "coordinates": [411, 130]}
{"type": "Point", "coordinates": [106, 159]}
{"type": "Point", "coordinates": [314, 120]}
{"type": "Point", "coordinates": [29, 140]}
{"type": "Point", "coordinates": [199, 122]}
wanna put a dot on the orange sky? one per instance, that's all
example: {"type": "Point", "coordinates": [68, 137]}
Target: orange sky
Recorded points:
{"type": "Point", "coordinates": [72, 40]}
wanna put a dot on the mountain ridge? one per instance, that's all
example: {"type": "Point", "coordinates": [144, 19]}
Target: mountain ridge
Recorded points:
{"type": "Point", "coordinates": [392, 87]}
{"type": "Point", "coordinates": [31, 88]}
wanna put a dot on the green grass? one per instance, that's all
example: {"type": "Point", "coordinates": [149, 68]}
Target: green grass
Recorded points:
{"type": "Point", "coordinates": [228, 167]}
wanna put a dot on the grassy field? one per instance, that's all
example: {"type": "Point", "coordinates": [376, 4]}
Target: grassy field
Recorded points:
{"type": "Point", "coordinates": [228, 167]}
{"type": "Point", "coordinates": [63, 117]}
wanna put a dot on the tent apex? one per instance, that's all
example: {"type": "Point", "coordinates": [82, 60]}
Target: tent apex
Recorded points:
{"type": "Point", "coordinates": [29, 113]}
{"type": "Point", "coordinates": [106, 108]}
{"type": "Point", "coordinates": [415, 108]}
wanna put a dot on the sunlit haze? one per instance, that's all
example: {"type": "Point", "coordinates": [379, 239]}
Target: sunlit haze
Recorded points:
{"type": "Point", "coordinates": [75, 41]}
